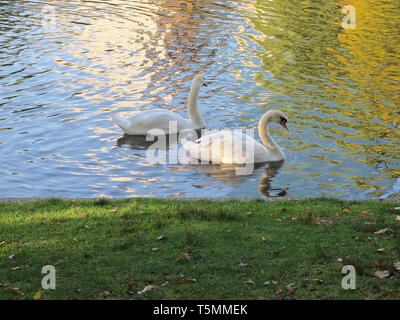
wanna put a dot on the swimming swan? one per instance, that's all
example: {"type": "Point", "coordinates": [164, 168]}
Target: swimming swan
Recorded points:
{"type": "Point", "coordinates": [235, 147]}
{"type": "Point", "coordinates": [142, 122]}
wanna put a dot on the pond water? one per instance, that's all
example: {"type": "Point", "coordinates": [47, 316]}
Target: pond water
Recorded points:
{"type": "Point", "coordinates": [66, 64]}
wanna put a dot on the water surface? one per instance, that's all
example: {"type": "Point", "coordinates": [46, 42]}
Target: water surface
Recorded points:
{"type": "Point", "coordinates": [338, 88]}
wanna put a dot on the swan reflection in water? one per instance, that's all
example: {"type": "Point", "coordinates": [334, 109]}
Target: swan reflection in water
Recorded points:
{"type": "Point", "coordinates": [225, 173]}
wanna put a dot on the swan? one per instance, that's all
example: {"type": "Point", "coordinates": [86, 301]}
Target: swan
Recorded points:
{"type": "Point", "coordinates": [142, 122]}
{"type": "Point", "coordinates": [235, 147]}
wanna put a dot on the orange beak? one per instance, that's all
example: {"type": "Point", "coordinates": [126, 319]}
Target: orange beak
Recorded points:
{"type": "Point", "coordinates": [283, 124]}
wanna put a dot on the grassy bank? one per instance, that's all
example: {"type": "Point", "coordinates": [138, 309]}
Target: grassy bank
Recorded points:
{"type": "Point", "coordinates": [199, 249]}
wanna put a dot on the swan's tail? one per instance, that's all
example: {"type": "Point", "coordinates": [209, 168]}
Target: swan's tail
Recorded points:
{"type": "Point", "coordinates": [121, 122]}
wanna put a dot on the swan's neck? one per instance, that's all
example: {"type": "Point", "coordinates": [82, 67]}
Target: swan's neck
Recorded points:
{"type": "Point", "coordinates": [193, 108]}
{"type": "Point", "coordinates": [266, 139]}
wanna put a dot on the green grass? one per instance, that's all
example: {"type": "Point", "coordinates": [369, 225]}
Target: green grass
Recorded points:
{"type": "Point", "coordinates": [103, 249]}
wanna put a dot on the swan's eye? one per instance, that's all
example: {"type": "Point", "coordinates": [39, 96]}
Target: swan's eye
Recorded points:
{"type": "Point", "coordinates": [283, 120]}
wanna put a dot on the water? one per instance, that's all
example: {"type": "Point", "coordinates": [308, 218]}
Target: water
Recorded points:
{"type": "Point", "coordinates": [66, 65]}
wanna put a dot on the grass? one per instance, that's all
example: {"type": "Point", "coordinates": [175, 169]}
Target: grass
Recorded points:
{"type": "Point", "coordinates": [233, 249]}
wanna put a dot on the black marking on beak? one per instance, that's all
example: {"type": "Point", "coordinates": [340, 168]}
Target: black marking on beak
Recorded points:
{"type": "Point", "coordinates": [205, 84]}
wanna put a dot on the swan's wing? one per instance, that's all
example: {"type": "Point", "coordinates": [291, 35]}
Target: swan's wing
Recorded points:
{"type": "Point", "coordinates": [228, 147]}
{"type": "Point", "coordinates": [155, 121]}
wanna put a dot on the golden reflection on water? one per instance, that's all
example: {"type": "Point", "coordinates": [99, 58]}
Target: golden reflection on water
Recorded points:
{"type": "Point", "coordinates": [351, 76]}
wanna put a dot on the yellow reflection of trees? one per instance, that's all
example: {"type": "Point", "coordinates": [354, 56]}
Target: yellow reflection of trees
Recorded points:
{"type": "Point", "coordinates": [340, 85]}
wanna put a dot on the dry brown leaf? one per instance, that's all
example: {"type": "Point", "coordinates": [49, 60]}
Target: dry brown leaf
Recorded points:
{"type": "Point", "coordinates": [13, 256]}
{"type": "Point", "coordinates": [192, 298]}
{"type": "Point", "coordinates": [364, 213]}
{"type": "Point", "coordinates": [290, 288]}
{"type": "Point", "coordinates": [135, 235]}
{"type": "Point", "coordinates": [382, 231]}
{"type": "Point", "coordinates": [59, 262]}
{"type": "Point", "coordinates": [382, 274]}
{"type": "Point", "coordinates": [243, 264]}
{"type": "Point", "coordinates": [161, 237]}
{"type": "Point", "coordinates": [369, 229]}
{"type": "Point", "coordinates": [387, 293]}
{"type": "Point", "coordinates": [155, 249]}
{"type": "Point", "coordinates": [381, 250]}
{"type": "Point", "coordinates": [396, 264]}
{"type": "Point", "coordinates": [112, 210]}
{"type": "Point", "coordinates": [132, 282]}
{"type": "Point", "coordinates": [3, 242]}
{"type": "Point", "coordinates": [146, 288]}
{"type": "Point", "coordinates": [17, 290]}
{"type": "Point", "coordinates": [398, 218]}
{"type": "Point", "coordinates": [317, 221]}
{"type": "Point", "coordinates": [278, 291]}
{"type": "Point", "coordinates": [20, 267]}
{"type": "Point", "coordinates": [272, 214]}
{"type": "Point", "coordinates": [184, 256]}
{"type": "Point", "coordinates": [313, 280]}
{"type": "Point", "coordinates": [187, 280]}
{"type": "Point", "coordinates": [346, 210]}
{"type": "Point", "coordinates": [265, 240]}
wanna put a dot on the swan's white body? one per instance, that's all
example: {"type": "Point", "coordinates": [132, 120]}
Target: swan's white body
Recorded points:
{"type": "Point", "coordinates": [169, 122]}
{"type": "Point", "coordinates": [235, 147]}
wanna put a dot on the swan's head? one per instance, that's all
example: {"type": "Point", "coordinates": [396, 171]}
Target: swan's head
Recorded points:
{"type": "Point", "coordinates": [199, 79]}
{"type": "Point", "coordinates": [278, 117]}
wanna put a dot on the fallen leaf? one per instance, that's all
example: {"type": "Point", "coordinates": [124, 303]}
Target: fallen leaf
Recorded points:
{"type": "Point", "coordinates": [164, 284]}
{"type": "Point", "coordinates": [246, 224]}
{"type": "Point", "coordinates": [265, 239]}
{"type": "Point", "coordinates": [290, 288]}
{"type": "Point", "coordinates": [112, 210]}
{"type": "Point", "coordinates": [250, 282]}
{"type": "Point", "coordinates": [277, 274]}
{"type": "Point", "coordinates": [106, 294]}
{"type": "Point", "coordinates": [382, 231]}
{"type": "Point", "coordinates": [346, 210]}
{"type": "Point", "coordinates": [146, 288]}
{"type": "Point", "coordinates": [20, 267]}
{"type": "Point", "coordinates": [132, 282]}
{"type": "Point", "coordinates": [187, 280]}
{"type": "Point", "coordinates": [243, 264]}
{"type": "Point", "coordinates": [363, 213]}
{"type": "Point", "coordinates": [85, 215]}
{"type": "Point", "coordinates": [192, 298]}
{"type": "Point", "coordinates": [387, 293]}
{"type": "Point", "coordinates": [155, 249]}
{"type": "Point", "coordinates": [17, 290]}
{"type": "Point", "coordinates": [382, 274]}
{"type": "Point", "coordinates": [37, 296]}
{"type": "Point", "coordinates": [184, 256]}
{"type": "Point", "coordinates": [398, 218]}
{"type": "Point", "coordinates": [381, 250]}
{"type": "Point", "coordinates": [59, 262]}
{"type": "Point", "coordinates": [3, 242]}
{"type": "Point", "coordinates": [272, 214]}
{"type": "Point", "coordinates": [397, 265]}
{"type": "Point", "coordinates": [13, 256]}
{"type": "Point", "coordinates": [278, 291]}
{"type": "Point", "coordinates": [313, 280]}
{"type": "Point", "coordinates": [369, 229]}
{"type": "Point", "coordinates": [340, 259]}
{"type": "Point", "coordinates": [135, 235]}
{"type": "Point", "coordinates": [161, 237]}
{"type": "Point", "coordinates": [317, 221]}
{"type": "Point", "coordinates": [266, 283]}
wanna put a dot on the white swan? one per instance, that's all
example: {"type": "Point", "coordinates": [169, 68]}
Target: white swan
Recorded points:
{"type": "Point", "coordinates": [235, 147]}
{"type": "Point", "coordinates": [142, 122]}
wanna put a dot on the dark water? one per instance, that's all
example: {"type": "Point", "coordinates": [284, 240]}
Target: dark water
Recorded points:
{"type": "Point", "coordinates": [61, 75]}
